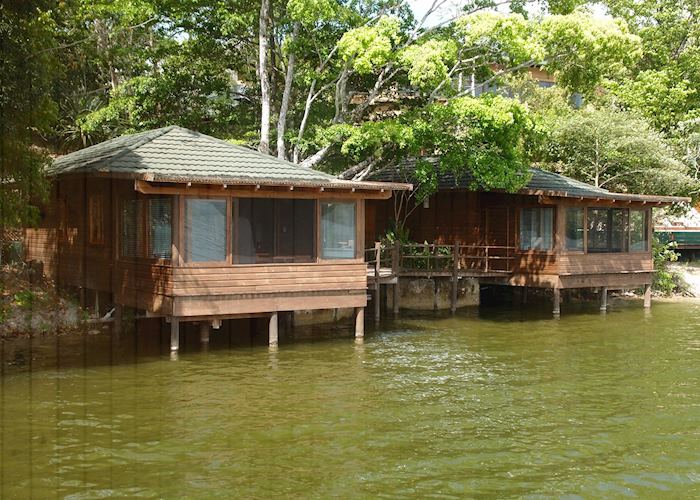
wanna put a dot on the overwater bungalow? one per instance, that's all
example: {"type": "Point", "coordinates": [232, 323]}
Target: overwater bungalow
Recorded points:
{"type": "Point", "coordinates": [182, 226]}
{"type": "Point", "coordinates": [555, 233]}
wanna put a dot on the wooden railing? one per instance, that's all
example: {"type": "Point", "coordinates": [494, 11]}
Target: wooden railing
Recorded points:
{"type": "Point", "coordinates": [433, 258]}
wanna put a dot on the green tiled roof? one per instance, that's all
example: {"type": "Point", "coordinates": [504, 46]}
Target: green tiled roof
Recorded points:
{"type": "Point", "coordinates": [176, 154]}
{"type": "Point", "coordinates": [540, 182]}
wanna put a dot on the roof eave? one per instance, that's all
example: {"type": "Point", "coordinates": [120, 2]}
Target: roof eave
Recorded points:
{"type": "Point", "coordinates": [609, 196]}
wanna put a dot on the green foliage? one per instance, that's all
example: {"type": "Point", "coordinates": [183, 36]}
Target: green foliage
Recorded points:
{"type": "Point", "coordinates": [26, 108]}
{"type": "Point", "coordinates": [427, 63]}
{"type": "Point", "coordinates": [662, 96]}
{"type": "Point", "coordinates": [367, 47]}
{"type": "Point", "coordinates": [618, 151]}
{"type": "Point", "coordinates": [665, 281]}
{"type": "Point", "coordinates": [25, 299]}
{"type": "Point", "coordinates": [311, 11]}
{"type": "Point", "coordinates": [507, 39]}
{"type": "Point", "coordinates": [580, 49]}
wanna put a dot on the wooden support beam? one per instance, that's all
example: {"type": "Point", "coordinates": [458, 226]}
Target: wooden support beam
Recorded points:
{"type": "Point", "coordinates": [556, 302]}
{"type": "Point", "coordinates": [603, 299]}
{"type": "Point", "coordinates": [647, 296]}
{"type": "Point", "coordinates": [273, 335]}
{"type": "Point", "coordinates": [523, 299]}
{"type": "Point", "coordinates": [117, 327]}
{"type": "Point", "coordinates": [455, 277]}
{"type": "Point", "coordinates": [377, 280]}
{"type": "Point", "coordinates": [174, 334]}
{"type": "Point", "coordinates": [204, 332]}
{"type": "Point", "coordinates": [397, 295]}
{"type": "Point", "coordinates": [359, 322]}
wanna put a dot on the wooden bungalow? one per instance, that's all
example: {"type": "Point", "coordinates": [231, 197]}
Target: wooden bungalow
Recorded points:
{"type": "Point", "coordinates": [186, 227]}
{"type": "Point", "coordinates": [555, 233]}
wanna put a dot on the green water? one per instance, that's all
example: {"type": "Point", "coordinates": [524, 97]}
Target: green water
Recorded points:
{"type": "Point", "coordinates": [500, 404]}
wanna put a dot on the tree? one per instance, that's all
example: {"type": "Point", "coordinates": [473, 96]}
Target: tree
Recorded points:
{"type": "Point", "coordinates": [618, 151]}
{"type": "Point", "coordinates": [26, 109]}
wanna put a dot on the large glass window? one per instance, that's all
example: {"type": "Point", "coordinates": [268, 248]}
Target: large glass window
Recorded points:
{"type": "Point", "coordinates": [130, 228]}
{"type": "Point", "coordinates": [639, 240]}
{"type": "Point", "coordinates": [338, 230]}
{"type": "Point", "coordinates": [574, 229]}
{"type": "Point", "coordinates": [274, 230]}
{"type": "Point", "coordinates": [205, 230]}
{"type": "Point", "coordinates": [607, 230]}
{"type": "Point", "coordinates": [160, 223]}
{"type": "Point", "coordinates": [536, 228]}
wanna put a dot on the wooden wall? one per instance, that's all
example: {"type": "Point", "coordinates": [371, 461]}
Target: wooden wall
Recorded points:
{"type": "Point", "coordinates": [61, 242]}
{"type": "Point", "coordinates": [493, 219]}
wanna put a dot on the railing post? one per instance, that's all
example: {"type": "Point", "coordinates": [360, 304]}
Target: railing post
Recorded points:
{"type": "Point", "coordinates": [455, 276]}
{"type": "Point", "coordinates": [377, 286]}
{"type": "Point", "coordinates": [486, 264]}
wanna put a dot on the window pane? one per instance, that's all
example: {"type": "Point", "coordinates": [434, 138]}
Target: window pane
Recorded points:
{"type": "Point", "coordinates": [574, 229]}
{"type": "Point", "coordinates": [275, 230]}
{"type": "Point", "coordinates": [607, 229]}
{"type": "Point", "coordinates": [160, 223]}
{"type": "Point", "coordinates": [205, 230]}
{"type": "Point", "coordinates": [131, 229]}
{"type": "Point", "coordinates": [638, 231]}
{"type": "Point", "coordinates": [536, 227]}
{"type": "Point", "coordinates": [337, 230]}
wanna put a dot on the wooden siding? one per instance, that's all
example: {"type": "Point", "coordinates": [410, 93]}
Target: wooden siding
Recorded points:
{"type": "Point", "coordinates": [492, 218]}
{"type": "Point", "coordinates": [61, 244]}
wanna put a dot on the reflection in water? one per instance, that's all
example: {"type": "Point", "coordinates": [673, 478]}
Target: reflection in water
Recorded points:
{"type": "Point", "coordinates": [507, 404]}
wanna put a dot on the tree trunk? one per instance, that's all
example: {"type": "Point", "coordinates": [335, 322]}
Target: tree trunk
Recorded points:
{"type": "Point", "coordinates": [263, 73]}
{"type": "Point", "coordinates": [284, 107]}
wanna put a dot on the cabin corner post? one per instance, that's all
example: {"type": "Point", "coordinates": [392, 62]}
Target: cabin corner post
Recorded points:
{"type": "Point", "coordinates": [359, 322]}
{"type": "Point", "coordinates": [273, 332]}
{"type": "Point", "coordinates": [556, 301]}
{"type": "Point", "coordinates": [647, 296]}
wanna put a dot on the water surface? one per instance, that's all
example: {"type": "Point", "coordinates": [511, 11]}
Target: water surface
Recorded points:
{"type": "Point", "coordinates": [502, 403]}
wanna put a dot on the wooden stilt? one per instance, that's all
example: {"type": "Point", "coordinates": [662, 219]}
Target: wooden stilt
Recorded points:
{"type": "Point", "coordinates": [359, 322]}
{"type": "Point", "coordinates": [377, 302]}
{"type": "Point", "coordinates": [603, 299]}
{"type": "Point", "coordinates": [118, 318]}
{"type": "Point", "coordinates": [97, 304]}
{"type": "Point", "coordinates": [377, 277]}
{"type": "Point", "coordinates": [396, 291]}
{"type": "Point", "coordinates": [647, 296]}
{"type": "Point", "coordinates": [273, 329]}
{"type": "Point", "coordinates": [204, 332]}
{"type": "Point", "coordinates": [524, 296]}
{"type": "Point", "coordinates": [455, 278]}
{"type": "Point", "coordinates": [174, 334]}
{"type": "Point", "coordinates": [556, 302]}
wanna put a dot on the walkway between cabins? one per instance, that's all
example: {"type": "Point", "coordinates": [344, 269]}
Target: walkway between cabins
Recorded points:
{"type": "Point", "coordinates": [386, 264]}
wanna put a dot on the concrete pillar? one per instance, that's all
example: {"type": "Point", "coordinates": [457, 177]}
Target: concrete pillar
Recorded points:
{"type": "Point", "coordinates": [603, 299]}
{"type": "Point", "coordinates": [556, 302]}
{"type": "Point", "coordinates": [204, 332]}
{"type": "Point", "coordinates": [273, 329]}
{"type": "Point", "coordinates": [359, 322]}
{"type": "Point", "coordinates": [174, 334]}
{"type": "Point", "coordinates": [647, 296]}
